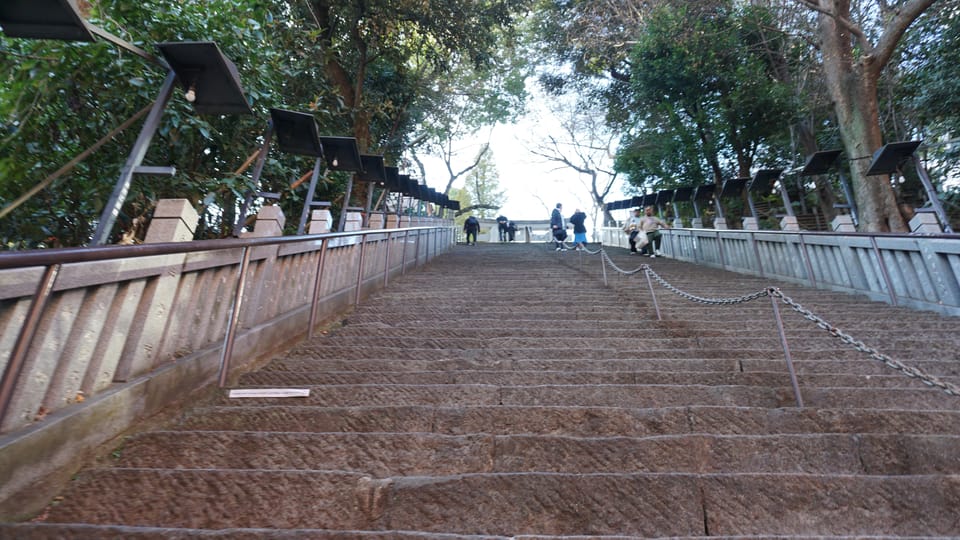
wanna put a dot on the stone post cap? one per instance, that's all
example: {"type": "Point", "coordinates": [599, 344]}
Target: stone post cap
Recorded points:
{"type": "Point", "coordinates": [843, 223]}
{"type": "Point", "coordinates": [925, 222]}
{"type": "Point", "coordinates": [789, 223]}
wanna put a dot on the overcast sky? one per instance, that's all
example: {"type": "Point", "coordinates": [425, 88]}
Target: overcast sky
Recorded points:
{"type": "Point", "coordinates": [533, 186]}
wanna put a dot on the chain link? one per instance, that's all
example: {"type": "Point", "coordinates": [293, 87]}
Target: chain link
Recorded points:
{"type": "Point", "coordinates": [909, 371]}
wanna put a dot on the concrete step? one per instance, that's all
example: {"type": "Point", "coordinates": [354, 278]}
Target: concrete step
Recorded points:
{"type": "Point", "coordinates": [559, 353]}
{"type": "Point", "coordinates": [571, 421]}
{"type": "Point", "coordinates": [54, 531]}
{"type": "Point", "coordinates": [861, 365]}
{"type": "Point", "coordinates": [643, 504]}
{"type": "Point", "coordinates": [536, 377]}
{"type": "Point", "coordinates": [643, 340]}
{"type": "Point", "coordinates": [386, 358]}
{"type": "Point", "coordinates": [613, 395]}
{"type": "Point", "coordinates": [429, 454]}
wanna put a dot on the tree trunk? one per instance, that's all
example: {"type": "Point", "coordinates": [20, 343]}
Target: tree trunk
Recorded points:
{"type": "Point", "coordinates": [852, 84]}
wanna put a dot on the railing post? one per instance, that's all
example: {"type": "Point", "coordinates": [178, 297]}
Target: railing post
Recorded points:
{"type": "Point", "coordinates": [883, 271]}
{"type": "Point", "coordinates": [386, 262]}
{"type": "Point", "coordinates": [603, 265]}
{"type": "Point", "coordinates": [416, 250]}
{"type": "Point", "coordinates": [786, 351]}
{"type": "Point", "coordinates": [403, 255]}
{"type": "Point", "coordinates": [234, 321]}
{"type": "Point", "coordinates": [316, 287]}
{"type": "Point", "coordinates": [723, 261]}
{"type": "Point", "coordinates": [656, 305]}
{"type": "Point", "coordinates": [756, 252]}
{"type": "Point", "coordinates": [806, 260]}
{"type": "Point", "coordinates": [363, 249]}
{"type": "Point", "coordinates": [27, 332]}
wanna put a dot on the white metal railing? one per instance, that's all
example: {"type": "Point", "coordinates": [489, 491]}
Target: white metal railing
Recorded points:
{"type": "Point", "coordinates": [917, 271]}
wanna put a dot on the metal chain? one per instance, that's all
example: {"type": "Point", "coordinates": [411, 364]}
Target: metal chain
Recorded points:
{"type": "Point", "coordinates": [909, 371]}
{"type": "Point", "coordinates": [714, 301]}
{"type": "Point", "coordinates": [609, 261]}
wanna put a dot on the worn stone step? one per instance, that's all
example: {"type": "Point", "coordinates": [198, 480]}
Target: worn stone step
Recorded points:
{"type": "Point", "coordinates": [645, 504]}
{"type": "Point", "coordinates": [55, 531]}
{"type": "Point", "coordinates": [571, 421]}
{"type": "Point", "coordinates": [858, 363]}
{"type": "Point", "coordinates": [861, 365]}
{"type": "Point", "coordinates": [642, 341]}
{"type": "Point", "coordinates": [485, 330]}
{"type": "Point", "coordinates": [642, 396]}
{"type": "Point", "coordinates": [535, 377]}
{"type": "Point", "coordinates": [412, 454]}
{"type": "Point", "coordinates": [378, 351]}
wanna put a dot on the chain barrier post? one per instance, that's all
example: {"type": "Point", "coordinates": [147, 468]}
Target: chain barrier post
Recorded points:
{"type": "Point", "coordinates": [317, 283]}
{"type": "Point", "coordinates": [774, 293]}
{"type": "Point", "coordinates": [656, 305]}
{"type": "Point", "coordinates": [234, 321]}
{"type": "Point", "coordinates": [603, 266]}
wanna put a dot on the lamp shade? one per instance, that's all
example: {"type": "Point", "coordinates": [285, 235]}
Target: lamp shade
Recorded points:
{"type": "Point", "coordinates": [211, 77]}
{"type": "Point", "coordinates": [43, 19]}
{"type": "Point", "coordinates": [393, 178]}
{"type": "Point", "coordinates": [704, 192]}
{"type": "Point", "coordinates": [683, 194]}
{"type": "Point", "coordinates": [372, 169]}
{"type": "Point", "coordinates": [889, 157]}
{"type": "Point", "coordinates": [341, 153]}
{"type": "Point", "coordinates": [296, 133]}
{"type": "Point", "coordinates": [820, 162]}
{"type": "Point", "coordinates": [733, 187]}
{"type": "Point", "coordinates": [763, 180]}
{"type": "Point", "coordinates": [664, 196]}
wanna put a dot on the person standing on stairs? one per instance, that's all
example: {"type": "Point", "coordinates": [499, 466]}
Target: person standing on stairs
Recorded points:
{"type": "Point", "coordinates": [579, 229]}
{"type": "Point", "coordinates": [558, 228]}
{"type": "Point", "coordinates": [502, 226]}
{"type": "Point", "coordinates": [471, 226]}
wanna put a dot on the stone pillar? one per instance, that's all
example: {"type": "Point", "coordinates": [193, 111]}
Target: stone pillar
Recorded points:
{"type": "Point", "coordinates": [925, 222]}
{"type": "Point", "coordinates": [404, 222]}
{"type": "Point", "coordinates": [174, 220]}
{"type": "Point", "coordinates": [696, 223]}
{"type": "Point", "coordinates": [750, 224]}
{"type": "Point", "coordinates": [393, 221]}
{"type": "Point", "coordinates": [321, 221]}
{"type": "Point", "coordinates": [270, 222]}
{"type": "Point", "coordinates": [720, 224]}
{"type": "Point", "coordinates": [843, 223]}
{"type": "Point", "coordinates": [789, 223]}
{"type": "Point", "coordinates": [376, 221]}
{"type": "Point", "coordinates": [354, 222]}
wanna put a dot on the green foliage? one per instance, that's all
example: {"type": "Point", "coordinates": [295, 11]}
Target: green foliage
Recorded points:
{"type": "Point", "coordinates": [702, 102]}
{"type": "Point", "coordinates": [483, 187]}
{"type": "Point", "coordinates": [58, 98]}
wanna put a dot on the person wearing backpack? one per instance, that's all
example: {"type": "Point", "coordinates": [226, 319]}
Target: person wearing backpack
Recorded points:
{"type": "Point", "coordinates": [471, 226]}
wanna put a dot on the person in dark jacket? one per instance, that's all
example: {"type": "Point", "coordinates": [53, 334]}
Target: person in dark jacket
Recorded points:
{"type": "Point", "coordinates": [471, 226]}
{"type": "Point", "coordinates": [558, 228]}
{"type": "Point", "coordinates": [502, 225]}
{"type": "Point", "coordinates": [578, 219]}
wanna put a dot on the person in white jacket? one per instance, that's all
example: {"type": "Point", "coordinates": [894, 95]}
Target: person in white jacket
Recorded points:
{"type": "Point", "coordinates": [633, 227]}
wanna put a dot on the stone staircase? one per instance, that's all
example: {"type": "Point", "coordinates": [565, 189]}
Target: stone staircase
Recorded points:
{"type": "Point", "coordinates": [503, 391]}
